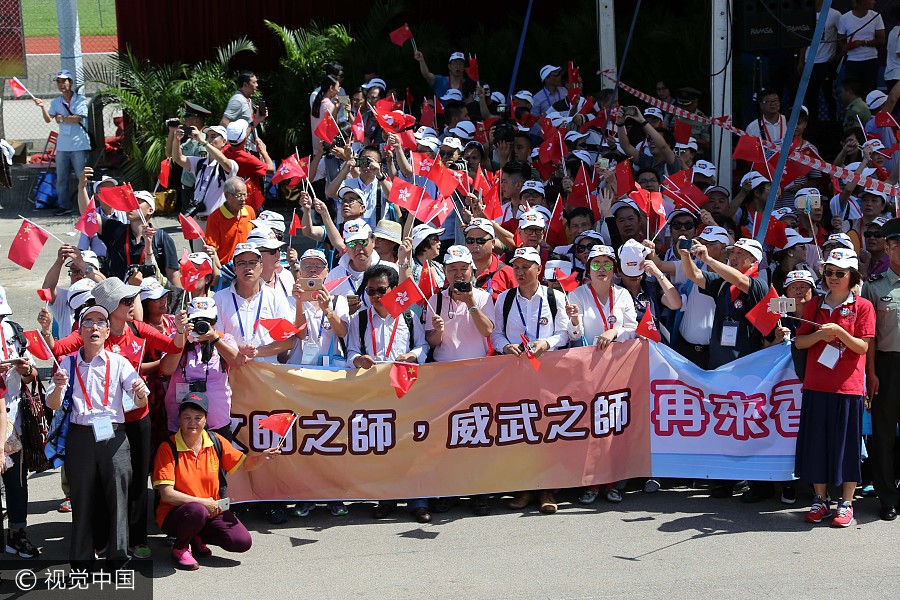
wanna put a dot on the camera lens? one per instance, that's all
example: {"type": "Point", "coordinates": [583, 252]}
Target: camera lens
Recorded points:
{"type": "Point", "coordinates": [201, 327]}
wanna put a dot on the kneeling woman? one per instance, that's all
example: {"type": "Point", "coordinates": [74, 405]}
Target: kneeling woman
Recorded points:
{"type": "Point", "coordinates": [830, 434]}
{"type": "Point", "coordinates": [190, 507]}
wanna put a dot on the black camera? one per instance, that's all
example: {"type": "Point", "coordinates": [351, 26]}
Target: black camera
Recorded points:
{"type": "Point", "coordinates": [462, 286]}
{"type": "Point", "coordinates": [202, 325]}
{"type": "Point", "coordinates": [685, 244]}
{"type": "Point", "coordinates": [197, 386]}
{"type": "Point", "coordinates": [503, 132]}
{"type": "Point", "coordinates": [173, 123]}
{"type": "Point", "coordinates": [144, 270]}
{"type": "Point", "coordinates": [363, 162]}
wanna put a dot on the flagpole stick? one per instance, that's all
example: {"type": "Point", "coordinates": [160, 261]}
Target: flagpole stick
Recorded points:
{"type": "Point", "coordinates": [413, 40]}
{"type": "Point", "coordinates": [812, 233]}
{"type": "Point", "coordinates": [291, 235]}
{"type": "Point", "coordinates": [50, 352]}
{"type": "Point", "coordinates": [284, 437]}
{"type": "Point", "coordinates": [416, 283]}
{"type": "Point", "coordinates": [562, 149]}
{"type": "Point", "coordinates": [42, 229]}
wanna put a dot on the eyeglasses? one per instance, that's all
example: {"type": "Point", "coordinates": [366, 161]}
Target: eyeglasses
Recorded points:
{"type": "Point", "coordinates": [683, 150]}
{"type": "Point", "coordinates": [605, 266]}
{"type": "Point", "coordinates": [350, 200]}
{"type": "Point", "coordinates": [379, 291]}
{"type": "Point", "coordinates": [835, 274]}
{"type": "Point", "coordinates": [582, 247]}
{"type": "Point", "coordinates": [270, 250]}
{"type": "Point", "coordinates": [353, 244]}
{"type": "Point", "coordinates": [681, 224]}
{"type": "Point", "coordinates": [127, 301]}
{"type": "Point", "coordinates": [481, 241]}
{"type": "Point", "coordinates": [873, 234]}
{"type": "Point", "coordinates": [246, 264]}
{"type": "Point", "coordinates": [646, 182]}
{"type": "Point", "coordinates": [775, 101]}
{"type": "Point", "coordinates": [241, 196]}
{"type": "Point", "coordinates": [533, 230]}
{"type": "Point", "coordinates": [90, 323]}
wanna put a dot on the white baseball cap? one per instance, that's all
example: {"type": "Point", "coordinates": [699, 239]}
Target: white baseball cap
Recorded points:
{"type": "Point", "coordinates": [652, 111]}
{"type": "Point", "coordinates": [80, 292]}
{"type": "Point", "coordinates": [5, 308]}
{"type": "Point", "coordinates": [264, 238]}
{"type": "Point", "coordinates": [601, 250]}
{"type": "Point", "coordinates": [202, 306]}
{"type": "Point", "coordinates": [546, 70]}
{"type": "Point", "coordinates": [691, 143]}
{"type": "Point", "coordinates": [717, 188]}
{"type": "Point", "coordinates": [314, 253]}
{"type": "Point", "coordinates": [464, 130]}
{"type": "Point", "coordinates": [486, 225]}
{"type": "Point", "coordinates": [425, 131]}
{"type": "Point", "coordinates": [527, 253]}
{"type": "Point", "coordinates": [794, 239]}
{"type": "Point", "coordinates": [877, 146]}
{"type": "Point", "coordinates": [236, 131]}
{"type": "Point", "coordinates": [574, 136]}
{"type": "Point", "coordinates": [452, 142]}
{"type": "Point", "coordinates": [498, 97]}
{"type": "Point", "coordinates": [271, 218]}
{"type": "Point", "coordinates": [751, 246]}
{"type": "Point", "coordinates": [755, 178]}
{"type": "Point", "coordinates": [800, 275]}
{"type": "Point", "coordinates": [588, 234]}
{"type": "Point", "coordinates": [65, 74]}
{"type": "Point", "coordinates": [875, 99]}
{"type": "Point", "coordinates": [374, 82]}
{"type": "Point", "coordinates": [631, 255]}
{"type": "Point", "coordinates": [842, 258]}
{"type": "Point", "coordinates": [714, 233]}
{"type": "Point", "coordinates": [145, 196]}
{"type": "Point", "coordinates": [874, 192]}
{"type": "Point", "coordinates": [878, 222]}
{"type": "Point", "coordinates": [218, 130]}
{"type": "Point", "coordinates": [623, 203]}
{"type": "Point", "coordinates": [524, 95]}
{"type": "Point", "coordinates": [244, 248]}
{"type": "Point", "coordinates": [531, 218]}
{"type": "Point", "coordinates": [432, 143]}
{"type": "Point", "coordinates": [198, 258]}
{"type": "Point", "coordinates": [780, 213]}
{"type": "Point", "coordinates": [88, 256]}
{"type": "Point", "coordinates": [452, 95]}
{"type": "Point", "coordinates": [842, 239]}
{"type": "Point", "coordinates": [456, 56]}
{"type": "Point", "coordinates": [535, 186]}
{"type": "Point", "coordinates": [704, 167]}
{"type": "Point", "coordinates": [422, 231]}
{"type": "Point", "coordinates": [458, 254]}
{"type": "Point", "coordinates": [151, 289]}
{"type": "Point", "coordinates": [867, 172]}
{"type": "Point", "coordinates": [356, 229]}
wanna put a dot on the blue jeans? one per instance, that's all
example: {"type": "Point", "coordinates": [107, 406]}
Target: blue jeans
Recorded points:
{"type": "Point", "coordinates": [66, 162]}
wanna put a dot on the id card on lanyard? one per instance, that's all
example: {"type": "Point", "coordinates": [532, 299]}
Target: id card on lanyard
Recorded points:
{"type": "Point", "coordinates": [237, 313]}
{"type": "Point", "coordinates": [101, 424]}
{"type": "Point", "coordinates": [729, 326]}
{"type": "Point", "coordinates": [537, 328]}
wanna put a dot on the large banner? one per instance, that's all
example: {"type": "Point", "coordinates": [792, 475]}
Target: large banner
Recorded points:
{"type": "Point", "coordinates": [467, 427]}
{"type": "Point", "coordinates": [587, 416]}
{"type": "Point", "coordinates": [737, 422]}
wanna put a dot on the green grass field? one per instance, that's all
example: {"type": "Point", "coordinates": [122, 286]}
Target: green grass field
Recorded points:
{"type": "Point", "coordinates": [95, 17]}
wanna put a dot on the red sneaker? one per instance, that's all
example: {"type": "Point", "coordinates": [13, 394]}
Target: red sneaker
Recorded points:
{"type": "Point", "coordinates": [844, 516]}
{"type": "Point", "coordinates": [819, 511]}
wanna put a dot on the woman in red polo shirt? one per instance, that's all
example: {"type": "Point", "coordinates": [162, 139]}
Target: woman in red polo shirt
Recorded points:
{"type": "Point", "coordinates": [830, 434]}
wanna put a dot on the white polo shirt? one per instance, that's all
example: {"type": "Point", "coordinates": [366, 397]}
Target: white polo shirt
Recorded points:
{"type": "Point", "coordinates": [699, 310]}
{"type": "Point", "coordinates": [121, 377]}
{"type": "Point", "coordinates": [319, 331]}
{"type": "Point", "coordinates": [591, 324]}
{"type": "Point", "coordinates": [460, 339]}
{"type": "Point", "coordinates": [535, 320]}
{"type": "Point", "coordinates": [383, 329]}
{"type": "Point", "coordinates": [239, 316]}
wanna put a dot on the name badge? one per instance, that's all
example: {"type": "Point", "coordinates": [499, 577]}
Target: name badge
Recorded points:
{"type": "Point", "coordinates": [729, 335]}
{"type": "Point", "coordinates": [829, 356]}
{"type": "Point", "coordinates": [310, 351]}
{"type": "Point", "coordinates": [103, 428]}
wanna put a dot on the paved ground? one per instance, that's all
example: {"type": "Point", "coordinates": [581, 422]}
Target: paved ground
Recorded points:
{"type": "Point", "coordinates": [674, 543]}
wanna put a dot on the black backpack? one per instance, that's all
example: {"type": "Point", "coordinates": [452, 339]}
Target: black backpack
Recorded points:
{"type": "Point", "coordinates": [217, 446]}
{"type": "Point", "coordinates": [511, 297]}
{"type": "Point", "coordinates": [364, 323]}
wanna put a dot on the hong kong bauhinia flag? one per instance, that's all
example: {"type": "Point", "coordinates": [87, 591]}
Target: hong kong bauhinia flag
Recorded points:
{"type": "Point", "coordinates": [402, 298]}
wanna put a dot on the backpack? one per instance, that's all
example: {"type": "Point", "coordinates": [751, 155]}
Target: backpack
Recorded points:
{"type": "Point", "coordinates": [511, 297]}
{"type": "Point", "coordinates": [55, 450]}
{"type": "Point", "coordinates": [217, 446]}
{"type": "Point", "coordinates": [364, 323]}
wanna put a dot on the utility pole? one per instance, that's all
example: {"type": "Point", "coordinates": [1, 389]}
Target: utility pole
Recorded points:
{"type": "Point", "coordinates": [606, 32]}
{"type": "Point", "coordinates": [720, 88]}
{"type": "Point", "coordinates": [69, 39]}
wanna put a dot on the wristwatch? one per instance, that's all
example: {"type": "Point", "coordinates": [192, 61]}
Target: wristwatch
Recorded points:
{"type": "Point", "coordinates": [473, 309]}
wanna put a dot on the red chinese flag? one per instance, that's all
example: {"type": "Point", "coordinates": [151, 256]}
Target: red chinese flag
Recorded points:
{"type": "Point", "coordinates": [410, 100]}
{"type": "Point", "coordinates": [472, 69]}
{"type": "Point", "coordinates": [358, 128]}
{"type": "Point", "coordinates": [27, 245]}
{"type": "Point", "coordinates": [191, 274]}
{"type": "Point", "coordinates": [438, 106]}
{"type": "Point", "coordinates": [682, 132]}
{"type": "Point", "coordinates": [641, 197]}
{"type": "Point", "coordinates": [480, 183]}
{"type": "Point", "coordinates": [624, 178]}
{"type": "Point", "coordinates": [581, 190]}
{"type": "Point", "coordinates": [432, 210]}
{"type": "Point", "coordinates": [492, 208]}
{"type": "Point", "coordinates": [45, 294]}
{"type": "Point", "coordinates": [481, 132]}
{"type": "Point", "coordinates": [279, 423]}
{"type": "Point", "coordinates": [556, 231]}
{"type": "Point", "coordinates": [573, 72]}
{"type": "Point", "coordinates": [443, 178]}
{"type": "Point", "coordinates": [386, 105]}
{"type": "Point", "coordinates": [408, 139]}
{"type": "Point", "coordinates": [37, 346]}
{"type": "Point", "coordinates": [886, 119]}
{"type": "Point", "coordinates": [89, 223]}
{"type": "Point", "coordinates": [403, 377]}
{"type": "Point", "coordinates": [190, 228]}
{"type": "Point", "coordinates": [120, 197]}
{"type": "Point", "coordinates": [776, 233]}
{"type": "Point", "coordinates": [598, 122]}
{"type": "Point", "coordinates": [568, 282]}
{"type": "Point", "coordinates": [427, 283]}
{"type": "Point", "coordinates": [401, 34]}
{"type": "Point", "coordinates": [327, 129]}
{"type": "Point", "coordinates": [683, 181]}
{"type": "Point", "coordinates": [428, 117]}
{"type": "Point", "coordinates": [749, 148]}
{"type": "Point", "coordinates": [279, 329]}
{"type": "Point", "coordinates": [761, 317]}
{"type": "Point", "coordinates": [402, 297]}
{"type": "Point", "coordinates": [17, 88]}
{"type": "Point", "coordinates": [296, 225]}
{"type": "Point", "coordinates": [405, 194]}
{"type": "Point", "coordinates": [647, 327]}
{"type": "Point", "coordinates": [164, 168]}
{"type": "Point", "coordinates": [535, 363]}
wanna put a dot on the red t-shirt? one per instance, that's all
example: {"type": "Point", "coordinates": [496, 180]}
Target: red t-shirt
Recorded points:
{"type": "Point", "coordinates": [253, 170]}
{"type": "Point", "coordinates": [857, 317]}
{"type": "Point", "coordinates": [496, 278]}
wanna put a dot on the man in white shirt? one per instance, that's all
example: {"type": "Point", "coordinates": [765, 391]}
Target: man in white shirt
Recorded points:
{"type": "Point", "coordinates": [211, 171]}
{"type": "Point", "coordinates": [97, 385]}
{"type": "Point", "coordinates": [771, 124]}
{"type": "Point", "coordinates": [326, 317]}
{"type": "Point", "coordinates": [860, 34]}
{"type": "Point", "coordinates": [360, 255]}
{"type": "Point", "coordinates": [464, 319]}
{"type": "Point", "coordinates": [246, 301]}
{"type": "Point", "coordinates": [824, 66]}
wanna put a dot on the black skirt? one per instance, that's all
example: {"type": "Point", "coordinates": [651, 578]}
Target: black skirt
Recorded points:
{"type": "Point", "coordinates": [829, 440]}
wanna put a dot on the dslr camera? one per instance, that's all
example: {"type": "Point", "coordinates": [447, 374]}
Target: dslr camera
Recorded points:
{"type": "Point", "coordinates": [503, 132]}
{"type": "Point", "coordinates": [363, 162]}
{"type": "Point", "coordinates": [202, 325]}
{"type": "Point", "coordinates": [144, 270]}
{"type": "Point", "coordinates": [462, 286]}
{"type": "Point", "coordinates": [197, 386]}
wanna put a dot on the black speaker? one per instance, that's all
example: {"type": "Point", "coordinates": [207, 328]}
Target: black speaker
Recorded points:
{"type": "Point", "coordinates": [773, 24]}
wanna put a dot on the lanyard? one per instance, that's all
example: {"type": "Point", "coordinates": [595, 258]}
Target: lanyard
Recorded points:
{"type": "Point", "coordinates": [537, 331]}
{"type": "Point", "coordinates": [606, 325]}
{"type": "Point", "coordinates": [3, 342]}
{"type": "Point", "coordinates": [764, 127]}
{"type": "Point", "coordinates": [87, 398]}
{"type": "Point", "coordinates": [321, 323]}
{"type": "Point", "coordinates": [390, 345]}
{"type": "Point", "coordinates": [237, 313]}
{"type": "Point", "coordinates": [128, 249]}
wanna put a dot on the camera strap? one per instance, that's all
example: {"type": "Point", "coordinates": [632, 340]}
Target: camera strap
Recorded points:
{"type": "Point", "coordinates": [184, 376]}
{"type": "Point", "coordinates": [128, 249]}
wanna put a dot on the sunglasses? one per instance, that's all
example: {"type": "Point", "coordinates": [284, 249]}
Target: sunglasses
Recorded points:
{"type": "Point", "coordinates": [836, 274]}
{"type": "Point", "coordinates": [582, 247]}
{"type": "Point", "coordinates": [270, 250]}
{"type": "Point", "coordinates": [605, 266]}
{"type": "Point", "coordinates": [873, 234]}
{"type": "Point", "coordinates": [356, 243]}
{"type": "Point", "coordinates": [90, 323]}
{"type": "Point", "coordinates": [481, 241]}
{"type": "Point", "coordinates": [681, 224]}
{"type": "Point", "coordinates": [127, 301]}
{"type": "Point", "coordinates": [379, 291]}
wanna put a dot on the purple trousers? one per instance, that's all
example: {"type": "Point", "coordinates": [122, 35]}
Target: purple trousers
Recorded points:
{"type": "Point", "coordinates": [192, 519]}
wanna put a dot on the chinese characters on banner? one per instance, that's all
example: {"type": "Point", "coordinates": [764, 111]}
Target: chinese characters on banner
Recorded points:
{"type": "Point", "coordinates": [495, 425]}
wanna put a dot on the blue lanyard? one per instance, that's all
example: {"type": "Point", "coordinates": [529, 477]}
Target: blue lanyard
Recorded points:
{"type": "Point", "coordinates": [537, 332]}
{"type": "Point", "coordinates": [238, 314]}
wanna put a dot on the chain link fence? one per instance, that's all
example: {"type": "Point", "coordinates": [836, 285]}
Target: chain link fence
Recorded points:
{"type": "Point", "coordinates": [38, 31]}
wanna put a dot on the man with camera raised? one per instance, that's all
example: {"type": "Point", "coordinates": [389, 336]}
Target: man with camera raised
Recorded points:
{"type": "Point", "coordinates": [374, 188]}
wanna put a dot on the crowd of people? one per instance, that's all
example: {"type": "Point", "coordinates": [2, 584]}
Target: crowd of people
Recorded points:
{"type": "Point", "coordinates": [568, 220]}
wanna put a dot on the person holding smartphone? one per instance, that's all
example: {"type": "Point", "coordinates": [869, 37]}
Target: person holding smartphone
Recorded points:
{"type": "Point", "coordinates": [186, 473]}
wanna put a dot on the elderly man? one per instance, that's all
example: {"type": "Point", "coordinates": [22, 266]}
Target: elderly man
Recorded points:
{"type": "Point", "coordinates": [629, 220]}
{"type": "Point", "coordinates": [73, 145]}
{"type": "Point", "coordinates": [771, 124]}
{"type": "Point", "coordinates": [491, 275]}
{"type": "Point", "coordinates": [139, 247]}
{"type": "Point", "coordinates": [210, 172]}
{"type": "Point", "coordinates": [324, 316]}
{"type": "Point", "coordinates": [240, 107]}
{"type": "Point", "coordinates": [360, 255]}
{"type": "Point", "coordinates": [229, 225]}
{"type": "Point", "coordinates": [246, 301]}
{"type": "Point", "coordinates": [93, 384]}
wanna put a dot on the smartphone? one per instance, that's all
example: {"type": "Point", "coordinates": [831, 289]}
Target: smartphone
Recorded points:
{"type": "Point", "coordinates": [261, 107]}
{"type": "Point", "coordinates": [808, 202]}
{"type": "Point", "coordinates": [685, 244]}
{"type": "Point", "coordinates": [603, 162]}
{"type": "Point", "coordinates": [12, 361]}
{"type": "Point", "coordinates": [629, 111]}
{"type": "Point", "coordinates": [345, 100]}
{"type": "Point", "coordinates": [311, 284]}
{"type": "Point", "coordinates": [782, 306]}
{"type": "Point", "coordinates": [224, 503]}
